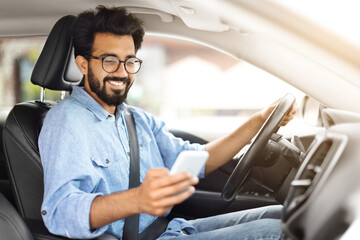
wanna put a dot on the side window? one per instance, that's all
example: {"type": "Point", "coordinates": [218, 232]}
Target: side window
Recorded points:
{"type": "Point", "coordinates": [200, 90]}
{"type": "Point", "coordinates": [17, 59]}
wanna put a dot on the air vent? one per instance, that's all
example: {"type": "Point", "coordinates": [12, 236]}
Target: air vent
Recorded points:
{"type": "Point", "coordinates": [313, 167]}
{"type": "Point", "coordinates": [319, 161]}
{"type": "Point", "coordinates": [301, 185]}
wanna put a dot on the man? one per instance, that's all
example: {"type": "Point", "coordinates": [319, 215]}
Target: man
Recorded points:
{"type": "Point", "coordinates": [84, 148]}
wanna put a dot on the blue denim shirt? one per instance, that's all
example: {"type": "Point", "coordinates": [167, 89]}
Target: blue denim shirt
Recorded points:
{"type": "Point", "coordinates": [84, 152]}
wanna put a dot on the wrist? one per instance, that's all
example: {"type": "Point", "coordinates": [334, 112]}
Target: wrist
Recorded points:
{"type": "Point", "coordinates": [136, 200]}
{"type": "Point", "coordinates": [260, 117]}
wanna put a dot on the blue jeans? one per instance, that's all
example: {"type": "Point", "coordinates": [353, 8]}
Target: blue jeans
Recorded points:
{"type": "Point", "coordinates": [258, 223]}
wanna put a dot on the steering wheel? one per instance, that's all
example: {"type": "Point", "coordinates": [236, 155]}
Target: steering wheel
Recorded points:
{"type": "Point", "coordinates": [242, 170]}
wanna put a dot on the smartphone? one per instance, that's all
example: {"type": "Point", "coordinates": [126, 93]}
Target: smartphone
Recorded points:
{"type": "Point", "coordinates": [190, 161]}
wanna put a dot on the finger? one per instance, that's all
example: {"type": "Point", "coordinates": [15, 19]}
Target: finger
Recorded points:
{"type": "Point", "coordinates": [157, 172]}
{"type": "Point", "coordinates": [276, 102]}
{"type": "Point", "coordinates": [288, 118]}
{"type": "Point", "coordinates": [170, 180]}
{"type": "Point", "coordinates": [284, 123]}
{"type": "Point", "coordinates": [291, 114]}
{"type": "Point", "coordinates": [176, 199]}
{"type": "Point", "coordinates": [160, 211]}
{"type": "Point", "coordinates": [173, 189]}
{"type": "Point", "coordinates": [294, 108]}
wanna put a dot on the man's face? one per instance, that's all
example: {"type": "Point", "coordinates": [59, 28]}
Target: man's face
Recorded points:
{"type": "Point", "coordinates": [109, 89]}
{"type": "Point", "coordinates": [112, 96]}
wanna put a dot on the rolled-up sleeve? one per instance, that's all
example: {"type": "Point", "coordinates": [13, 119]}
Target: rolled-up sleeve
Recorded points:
{"type": "Point", "coordinates": [69, 184]}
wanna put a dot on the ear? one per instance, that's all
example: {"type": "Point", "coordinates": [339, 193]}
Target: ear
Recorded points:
{"type": "Point", "coordinates": [82, 64]}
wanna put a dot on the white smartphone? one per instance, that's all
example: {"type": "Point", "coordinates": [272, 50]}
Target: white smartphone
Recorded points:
{"type": "Point", "coordinates": [190, 161]}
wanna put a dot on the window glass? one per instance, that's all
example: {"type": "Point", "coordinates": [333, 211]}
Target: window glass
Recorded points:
{"type": "Point", "coordinates": [17, 59]}
{"type": "Point", "coordinates": [200, 90]}
{"type": "Point", "coordinates": [191, 87]}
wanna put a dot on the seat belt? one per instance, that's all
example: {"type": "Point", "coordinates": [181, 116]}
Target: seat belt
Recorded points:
{"type": "Point", "coordinates": [131, 226]}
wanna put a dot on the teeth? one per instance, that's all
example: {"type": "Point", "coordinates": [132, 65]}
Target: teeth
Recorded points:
{"type": "Point", "coordinates": [117, 83]}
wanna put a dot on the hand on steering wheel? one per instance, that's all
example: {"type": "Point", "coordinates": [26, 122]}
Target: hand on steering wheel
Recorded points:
{"type": "Point", "coordinates": [248, 160]}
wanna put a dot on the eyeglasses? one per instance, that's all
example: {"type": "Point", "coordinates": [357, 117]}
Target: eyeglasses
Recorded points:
{"type": "Point", "coordinates": [111, 64]}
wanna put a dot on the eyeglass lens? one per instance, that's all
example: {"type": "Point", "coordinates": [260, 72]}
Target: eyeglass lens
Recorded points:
{"type": "Point", "coordinates": [111, 64]}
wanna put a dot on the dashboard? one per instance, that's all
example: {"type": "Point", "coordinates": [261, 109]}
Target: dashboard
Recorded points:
{"type": "Point", "coordinates": [323, 199]}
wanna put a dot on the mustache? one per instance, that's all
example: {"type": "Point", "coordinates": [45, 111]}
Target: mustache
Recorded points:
{"type": "Point", "coordinates": [124, 79]}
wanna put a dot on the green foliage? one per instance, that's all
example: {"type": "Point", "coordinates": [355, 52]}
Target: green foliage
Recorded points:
{"type": "Point", "coordinates": [32, 92]}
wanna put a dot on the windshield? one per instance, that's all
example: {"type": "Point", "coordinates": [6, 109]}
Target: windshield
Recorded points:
{"type": "Point", "coordinates": [340, 18]}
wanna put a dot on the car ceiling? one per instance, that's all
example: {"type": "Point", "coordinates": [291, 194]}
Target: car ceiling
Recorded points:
{"type": "Point", "coordinates": [260, 32]}
{"type": "Point", "coordinates": [44, 13]}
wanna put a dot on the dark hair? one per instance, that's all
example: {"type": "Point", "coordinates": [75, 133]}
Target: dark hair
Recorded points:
{"type": "Point", "coordinates": [113, 20]}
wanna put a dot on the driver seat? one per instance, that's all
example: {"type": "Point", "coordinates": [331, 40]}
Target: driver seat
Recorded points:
{"type": "Point", "coordinates": [55, 70]}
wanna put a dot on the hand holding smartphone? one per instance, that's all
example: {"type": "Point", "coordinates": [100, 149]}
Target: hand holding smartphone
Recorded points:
{"type": "Point", "coordinates": [190, 161]}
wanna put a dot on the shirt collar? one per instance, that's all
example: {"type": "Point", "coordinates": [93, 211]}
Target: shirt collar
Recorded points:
{"type": "Point", "coordinates": [86, 100]}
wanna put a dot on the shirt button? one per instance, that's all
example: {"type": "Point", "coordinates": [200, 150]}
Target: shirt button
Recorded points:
{"type": "Point", "coordinates": [107, 161]}
{"type": "Point", "coordinates": [128, 153]}
{"type": "Point", "coordinates": [141, 145]}
{"type": "Point", "coordinates": [43, 212]}
{"type": "Point", "coordinates": [169, 229]}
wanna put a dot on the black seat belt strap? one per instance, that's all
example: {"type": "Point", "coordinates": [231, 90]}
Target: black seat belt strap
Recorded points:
{"type": "Point", "coordinates": [154, 230]}
{"type": "Point", "coordinates": [131, 226]}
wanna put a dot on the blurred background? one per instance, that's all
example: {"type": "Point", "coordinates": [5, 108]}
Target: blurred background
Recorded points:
{"type": "Point", "coordinates": [191, 87]}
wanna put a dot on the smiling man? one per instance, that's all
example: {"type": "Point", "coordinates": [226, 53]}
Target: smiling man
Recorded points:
{"type": "Point", "coordinates": [108, 49]}
{"type": "Point", "coordinates": [84, 147]}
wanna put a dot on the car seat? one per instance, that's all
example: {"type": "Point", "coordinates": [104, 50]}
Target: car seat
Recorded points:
{"type": "Point", "coordinates": [56, 70]}
{"type": "Point", "coordinates": [12, 226]}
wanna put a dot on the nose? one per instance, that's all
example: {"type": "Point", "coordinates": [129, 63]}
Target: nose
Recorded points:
{"type": "Point", "coordinates": [121, 72]}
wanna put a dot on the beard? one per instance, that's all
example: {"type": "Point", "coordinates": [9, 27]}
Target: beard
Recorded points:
{"type": "Point", "coordinates": [116, 97]}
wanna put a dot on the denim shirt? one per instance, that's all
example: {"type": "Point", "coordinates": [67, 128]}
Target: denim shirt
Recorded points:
{"type": "Point", "coordinates": [85, 153]}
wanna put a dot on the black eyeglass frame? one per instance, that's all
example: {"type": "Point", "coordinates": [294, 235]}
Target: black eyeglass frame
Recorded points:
{"type": "Point", "coordinates": [120, 61]}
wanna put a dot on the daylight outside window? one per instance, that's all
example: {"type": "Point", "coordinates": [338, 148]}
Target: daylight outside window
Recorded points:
{"type": "Point", "coordinates": [191, 87]}
{"type": "Point", "coordinates": [17, 59]}
{"type": "Point", "coordinates": [200, 90]}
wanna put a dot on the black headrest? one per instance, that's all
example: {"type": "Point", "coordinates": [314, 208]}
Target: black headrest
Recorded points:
{"type": "Point", "coordinates": [56, 69]}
